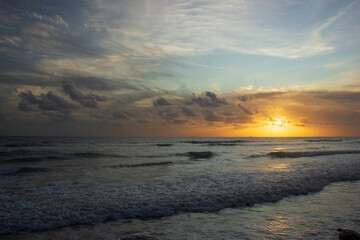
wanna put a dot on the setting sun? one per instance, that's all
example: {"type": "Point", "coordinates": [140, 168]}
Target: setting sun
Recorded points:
{"type": "Point", "coordinates": [278, 123]}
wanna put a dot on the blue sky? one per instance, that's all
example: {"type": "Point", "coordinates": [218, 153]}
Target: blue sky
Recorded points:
{"type": "Point", "coordinates": [106, 62]}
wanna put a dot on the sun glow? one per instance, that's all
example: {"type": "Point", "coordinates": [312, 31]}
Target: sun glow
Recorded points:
{"type": "Point", "coordinates": [278, 126]}
{"type": "Point", "coordinates": [278, 123]}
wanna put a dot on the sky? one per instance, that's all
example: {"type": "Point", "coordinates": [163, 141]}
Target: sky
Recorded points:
{"type": "Point", "coordinates": [232, 68]}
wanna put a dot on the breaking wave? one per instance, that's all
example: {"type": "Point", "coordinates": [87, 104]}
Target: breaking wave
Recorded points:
{"type": "Point", "coordinates": [150, 164]}
{"type": "Point", "coordinates": [284, 154]}
{"type": "Point", "coordinates": [59, 205]}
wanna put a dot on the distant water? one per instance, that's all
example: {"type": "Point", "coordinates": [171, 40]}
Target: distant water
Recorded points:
{"type": "Point", "coordinates": [178, 188]}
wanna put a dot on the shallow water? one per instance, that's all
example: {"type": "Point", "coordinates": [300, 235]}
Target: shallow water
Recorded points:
{"type": "Point", "coordinates": [54, 183]}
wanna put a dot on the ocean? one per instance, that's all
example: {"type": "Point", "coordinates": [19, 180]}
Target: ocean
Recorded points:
{"type": "Point", "coordinates": [178, 188]}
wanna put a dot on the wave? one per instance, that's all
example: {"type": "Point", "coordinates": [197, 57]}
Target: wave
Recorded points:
{"type": "Point", "coordinates": [216, 142]}
{"type": "Point", "coordinates": [94, 155]}
{"type": "Point", "coordinates": [195, 155]}
{"type": "Point", "coordinates": [323, 140]}
{"type": "Point", "coordinates": [33, 159]}
{"type": "Point", "coordinates": [25, 145]}
{"type": "Point", "coordinates": [22, 171]}
{"type": "Point", "coordinates": [104, 201]}
{"type": "Point", "coordinates": [284, 154]}
{"type": "Point", "coordinates": [151, 164]}
{"type": "Point", "coordinates": [222, 144]}
{"type": "Point", "coordinates": [164, 144]}
{"type": "Point", "coordinates": [23, 152]}
{"type": "Point", "coordinates": [152, 156]}
{"type": "Point", "coordinates": [5, 154]}
{"type": "Point", "coordinates": [26, 156]}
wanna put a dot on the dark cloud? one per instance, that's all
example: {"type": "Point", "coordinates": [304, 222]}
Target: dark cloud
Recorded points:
{"type": "Point", "coordinates": [178, 121]}
{"type": "Point", "coordinates": [228, 113]}
{"type": "Point", "coordinates": [209, 100]}
{"type": "Point", "coordinates": [139, 95]}
{"type": "Point", "coordinates": [87, 100]}
{"type": "Point", "coordinates": [161, 102]}
{"type": "Point", "coordinates": [338, 96]}
{"type": "Point", "coordinates": [246, 98]}
{"type": "Point", "coordinates": [245, 110]}
{"type": "Point", "coordinates": [99, 84]}
{"type": "Point", "coordinates": [14, 80]}
{"type": "Point", "coordinates": [97, 115]}
{"type": "Point", "coordinates": [53, 102]}
{"type": "Point", "coordinates": [21, 66]}
{"type": "Point", "coordinates": [22, 72]}
{"type": "Point", "coordinates": [28, 101]}
{"type": "Point", "coordinates": [47, 102]}
{"type": "Point", "coordinates": [305, 122]}
{"type": "Point", "coordinates": [119, 115]}
{"type": "Point", "coordinates": [168, 114]}
{"type": "Point", "coordinates": [59, 116]}
{"type": "Point", "coordinates": [19, 73]}
{"type": "Point", "coordinates": [92, 83]}
{"type": "Point", "coordinates": [188, 112]}
{"type": "Point", "coordinates": [142, 121]}
{"type": "Point", "coordinates": [211, 116]}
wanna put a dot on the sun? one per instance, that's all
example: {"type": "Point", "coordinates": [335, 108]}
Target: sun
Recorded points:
{"type": "Point", "coordinates": [278, 122]}
{"type": "Point", "coordinates": [277, 126]}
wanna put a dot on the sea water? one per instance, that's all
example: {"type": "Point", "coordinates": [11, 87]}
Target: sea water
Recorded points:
{"type": "Point", "coordinates": [178, 188]}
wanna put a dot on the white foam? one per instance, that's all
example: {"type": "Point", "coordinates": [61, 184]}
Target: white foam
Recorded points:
{"type": "Point", "coordinates": [31, 207]}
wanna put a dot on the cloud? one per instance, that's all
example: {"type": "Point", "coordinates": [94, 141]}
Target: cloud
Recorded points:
{"type": "Point", "coordinates": [59, 116]}
{"type": "Point", "coordinates": [245, 110]}
{"type": "Point", "coordinates": [209, 100]}
{"type": "Point", "coordinates": [211, 116]}
{"type": "Point", "coordinates": [160, 102]}
{"type": "Point", "coordinates": [47, 102]}
{"type": "Point", "coordinates": [87, 100]}
{"type": "Point", "coordinates": [168, 114]}
{"type": "Point", "coordinates": [119, 115]}
{"type": "Point", "coordinates": [27, 102]}
{"type": "Point", "coordinates": [49, 39]}
{"type": "Point", "coordinates": [91, 82]}
{"type": "Point", "coordinates": [56, 19]}
{"type": "Point", "coordinates": [179, 28]}
{"type": "Point", "coordinates": [178, 122]}
{"type": "Point", "coordinates": [98, 83]}
{"type": "Point", "coordinates": [340, 109]}
{"type": "Point", "coordinates": [338, 96]}
{"type": "Point", "coordinates": [301, 109]}
{"type": "Point", "coordinates": [12, 40]}
{"type": "Point", "coordinates": [188, 112]}
{"type": "Point", "coordinates": [266, 95]}
{"type": "Point", "coordinates": [246, 98]}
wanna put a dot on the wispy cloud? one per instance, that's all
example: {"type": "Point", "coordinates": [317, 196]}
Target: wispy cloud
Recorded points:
{"type": "Point", "coordinates": [56, 19]}
{"type": "Point", "coordinates": [185, 28]}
